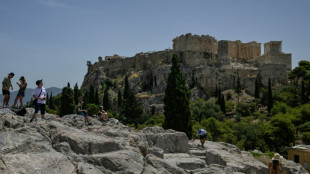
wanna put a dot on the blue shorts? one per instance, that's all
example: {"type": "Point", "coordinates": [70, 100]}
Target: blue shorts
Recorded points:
{"type": "Point", "coordinates": [203, 136]}
{"type": "Point", "coordinates": [40, 107]}
{"type": "Point", "coordinates": [82, 113]}
{"type": "Point", "coordinates": [21, 94]}
{"type": "Point", "coordinates": [5, 92]}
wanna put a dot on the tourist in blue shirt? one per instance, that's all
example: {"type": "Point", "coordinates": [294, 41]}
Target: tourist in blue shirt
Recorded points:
{"type": "Point", "coordinates": [203, 135]}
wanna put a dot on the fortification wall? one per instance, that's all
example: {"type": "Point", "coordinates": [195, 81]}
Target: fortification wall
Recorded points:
{"type": "Point", "coordinates": [189, 42]}
{"type": "Point", "coordinates": [276, 58]}
{"type": "Point", "coordinates": [237, 49]}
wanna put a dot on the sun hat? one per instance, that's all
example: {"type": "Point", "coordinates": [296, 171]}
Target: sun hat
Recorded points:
{"type": "Point", "coordinates": [277, 157]}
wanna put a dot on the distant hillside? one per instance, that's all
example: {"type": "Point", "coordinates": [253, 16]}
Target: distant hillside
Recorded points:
{"type": "Point", "coordinates": [28, 94]}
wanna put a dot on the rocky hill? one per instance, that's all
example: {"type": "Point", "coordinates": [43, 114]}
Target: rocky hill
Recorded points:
{"type": "Point", "coordinates": [205, 62]}
{"type": "Point", "coordinates": [67, 145]}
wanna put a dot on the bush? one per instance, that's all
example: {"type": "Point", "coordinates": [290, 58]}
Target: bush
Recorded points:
{"type": "Point", "coordinates": [306, 137]}
{"type": "Point", "coordinates": [50, 111]}
{"type": "Point", "coordinates": [246, 109]}
{"type": "Point", "coordinates": [229, 106]}
{"type": "Point", "coordinates": [92, 109]}
{"type": "Point", "coordinates": [156, 120]}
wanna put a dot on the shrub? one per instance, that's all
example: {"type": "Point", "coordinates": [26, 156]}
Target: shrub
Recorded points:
{"type": "Point", "coordinates": [229, 106]}
{"type": "Point", "coordinates": [306, 137]}
{"type": "Point", "coordinates": [92, 109]}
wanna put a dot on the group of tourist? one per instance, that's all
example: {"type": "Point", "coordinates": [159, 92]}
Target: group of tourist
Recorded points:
{"type": "Point", "coordinates": [39, 96]}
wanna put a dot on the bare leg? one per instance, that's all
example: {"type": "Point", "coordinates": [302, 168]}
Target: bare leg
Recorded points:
{"type": "Point", "coordinates": [33, 116]}
{"type": "Point", "coordinates": [6, 99]}
{"type": "Point", "coordinates": [15, 101]}
{"type": "Point", "coordinates": [21, 101]}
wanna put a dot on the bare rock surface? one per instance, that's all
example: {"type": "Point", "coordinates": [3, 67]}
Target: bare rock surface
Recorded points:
{"type": "Point", "coordinates": [68, 145]}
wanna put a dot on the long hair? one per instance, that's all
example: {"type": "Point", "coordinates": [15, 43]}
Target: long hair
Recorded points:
{"type": "Point", "coordinates": [22, 78]}
{"type": "Point", "coordinates": [275, 164]}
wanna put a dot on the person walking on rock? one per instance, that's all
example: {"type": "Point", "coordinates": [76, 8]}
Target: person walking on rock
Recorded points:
{"type": "Point", "coordinates": [6, 85]}
{"type": "Point", "coordinates": [83, 112]}
{"type": "Point", "coordinates": [21, 93]}
{"type": "Point", "coordinates": [39, 94]}
{"type": "Point", "coordinates": [274, 167]}
{"type": "Point", "coordinates": [203, 135]}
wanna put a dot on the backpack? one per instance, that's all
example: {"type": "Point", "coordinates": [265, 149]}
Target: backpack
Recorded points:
{"type": "Point", "coordinates": [21, 112]}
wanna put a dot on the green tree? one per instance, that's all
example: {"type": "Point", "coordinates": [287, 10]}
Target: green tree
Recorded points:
{"type": "Point", "coordinates": [176, 101]}
{"type": "Point", "coordinates": [280, 132]}
{"type": "Point", "coordinates": [67, 102]}
{"type": "Point", "coordinates": [77, 93]}
{"type": "Point", "coordinates": [51, 103]}
{"type": "Point", "coordinates": [270, 99]}
{"type": "Point", "coordinates": [91, 94]}
{"type": "Point", "coordinates": [119, 99]}
{"type": "Point", "coordinates": [303, 94]}
{"type": "Point", "coordinates": [213, 126]}
{"type": "Point", "coordinates": [97, 97]}
{"type": "Point", "coordinates": [256, 88]}
{"type": "Point", "coordinates": [222, 104]}
{"type": "Point", "coordinates": [126, 88]}
{"type": "Point", "coordinates": [68, 85]}
{"type": "Point", "coordinates": [238, 87]}
{"type": "Point", "coordinates": [202, 109]}
{"type": "Point", "coordinates": [47, 99]}
{"type": "Point", "coordinates": [86, 98]}
{"type": "Point", "coordinates": [131, 109]}
{"type": "Point", "coordinates": [106, 99]}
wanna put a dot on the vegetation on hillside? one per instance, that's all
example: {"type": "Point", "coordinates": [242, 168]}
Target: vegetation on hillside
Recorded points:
{"type": "Point", "coordinates": [272, 120]}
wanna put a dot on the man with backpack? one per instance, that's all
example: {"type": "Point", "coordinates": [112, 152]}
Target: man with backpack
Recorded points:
{"type": "Point", "coordinates": [203, 135]}
{"type": "Point", "coordinates": [39, 95]}
{"type": "Point", "coordinates": [6, 85]}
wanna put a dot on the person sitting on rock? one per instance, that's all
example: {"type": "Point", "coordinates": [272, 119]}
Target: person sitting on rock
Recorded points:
{"type": "Point", "coordinates": [83, 112]}
{"type": "Point", "coordinates": [203, 135]}
{"type": "Point", "coordinates": [102, 114]}
{"type": "Point", "coordinates": [274, 167]}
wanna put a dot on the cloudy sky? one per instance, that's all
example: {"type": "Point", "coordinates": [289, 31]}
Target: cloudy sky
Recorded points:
{"type": "Point", "coordinates": [53, 39]}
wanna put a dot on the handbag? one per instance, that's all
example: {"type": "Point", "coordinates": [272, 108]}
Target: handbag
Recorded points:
{"type": "Point", "coordinates": [35, 101]}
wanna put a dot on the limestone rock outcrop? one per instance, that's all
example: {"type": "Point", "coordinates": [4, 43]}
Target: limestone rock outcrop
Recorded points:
{"type": "Point", "coordinates": [67, 145]}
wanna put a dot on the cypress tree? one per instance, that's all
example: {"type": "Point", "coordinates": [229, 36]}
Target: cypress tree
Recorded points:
{"type": "Point", "coordinates": [47, 99]}
{"type": "Point", "coordinates": [256, 88]}
{"type": "Point", "coordinates": [97, 97]}
{"type": "Point", "coordinates": [106, 99]}
{"type": "Point", "coordinates": [91, 94]}
{"type": "Point", "coordinates": [119, 99]}
{"type": "Point", "coordinates": [238, 87]}
{"type": "Point", "coordinates": [68, 85]}
{"type": "Point", "coordinates": [222, 104]}
{"type": "Point", "coordinates": [270, 100]}
{"type": "Point", "coordinates": [176, 101]}
{"type": "Point", "coordinates": [308, 96]}
{"type": "Point", "coordinates": [51, 103]}
{"type": "Point", "coordinates": [86, 98]}
{"type": "Point", "coordinates": [77, 93]}
{"type": "Point", "coordinates": [131, 109]}
{"type": "Point", "coordinates": [126, 88]}
{"type": "Point", "coordinates": [303, 92]}
{"type": "Point", "coordinates": [67, 102]}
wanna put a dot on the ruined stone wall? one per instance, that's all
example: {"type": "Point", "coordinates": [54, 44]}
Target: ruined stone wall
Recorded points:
{"type": "Point", "coordinates": [189, 42]}
{"type": "Point", "coordinates": [237, 49]}
{"type": "Point", "coordinates": [276, 58]}
{"type": "Point", "coordinates": [273, 47]}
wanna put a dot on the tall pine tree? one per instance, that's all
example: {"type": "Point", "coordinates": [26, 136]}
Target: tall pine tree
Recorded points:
{"type": "Point", "coordinates": [256, 88]}
{"type": "Point", "coordinates": [67, 102]}
{"type": "Point", "coordinates": [238, 87]}
{"type": "Point", "coordinates": [131, 109]}
{"type": "Point", "coordinates": [77, 93]}
{"type": "Point", "coordinates": [119, 99]}
{"type": "Point", "coordinates": [106, 99]}
{"type": "Point", "coordinates": [303, 92]}
{"type": "Point", "coordinates": [91, 95]}
{"type": "Point", "coordinates": [270, 99]}
{"type": "Point", "coordinates": [97, 97]}
{"type": "Point", "coordinates": [222, 104]}
{"type": "Point", "coordinates": [176, 101]}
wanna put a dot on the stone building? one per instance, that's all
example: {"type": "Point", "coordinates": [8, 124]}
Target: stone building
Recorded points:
{"type": "Point", "coordinates": [237, 49]}
{"type": "Point", "coordinates": [189, 42]}
{"type": "Point", "coordinates": [300, 154]}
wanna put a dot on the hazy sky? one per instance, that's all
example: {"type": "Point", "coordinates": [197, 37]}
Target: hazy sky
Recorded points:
{"type": "Point", "coordinates": [53, 39]}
